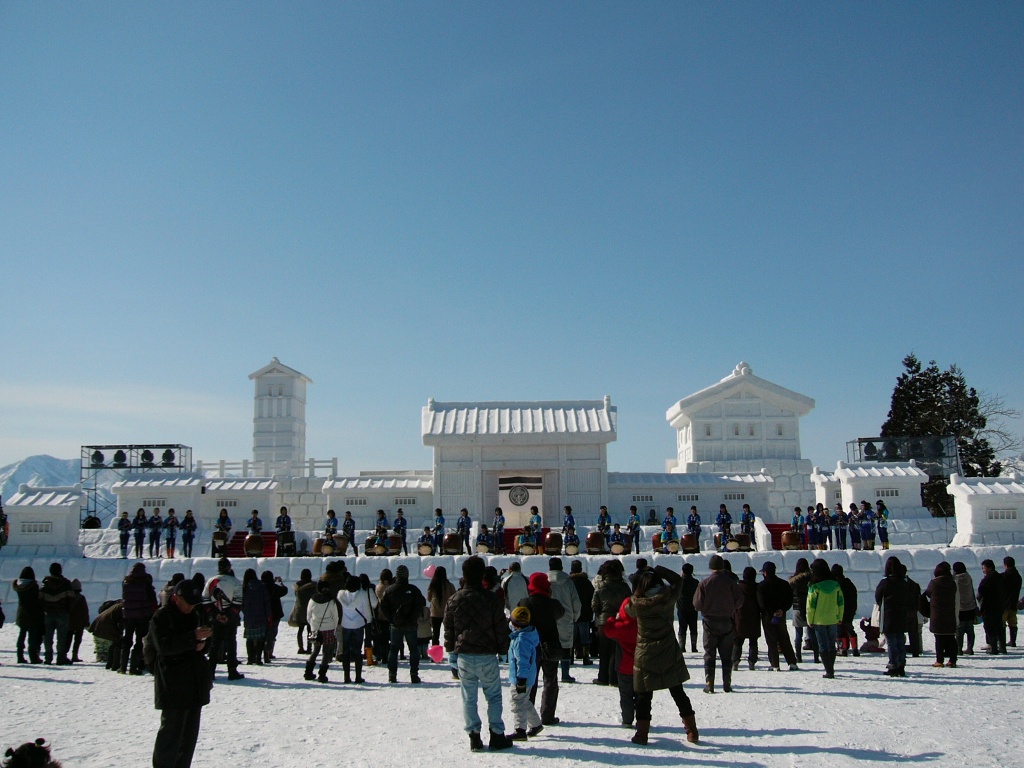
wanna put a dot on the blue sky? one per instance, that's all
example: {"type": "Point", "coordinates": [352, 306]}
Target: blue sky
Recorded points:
{"type": "Point", "coordinates": [473, 201]}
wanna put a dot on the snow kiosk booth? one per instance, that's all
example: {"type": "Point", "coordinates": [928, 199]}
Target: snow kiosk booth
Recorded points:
{"type": "Point", "coordinates": [520, 454]}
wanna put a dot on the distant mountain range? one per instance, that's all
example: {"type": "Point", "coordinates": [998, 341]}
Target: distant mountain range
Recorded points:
{"type": "Point", "coordinates": [47, 471]}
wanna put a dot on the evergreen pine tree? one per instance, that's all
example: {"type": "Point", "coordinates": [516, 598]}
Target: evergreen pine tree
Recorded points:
{"type": "Point", "coordinates": [928, 401]}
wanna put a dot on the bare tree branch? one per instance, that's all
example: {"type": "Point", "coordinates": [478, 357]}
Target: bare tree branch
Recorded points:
{"type": "Point", "coordinates": [997, 431]}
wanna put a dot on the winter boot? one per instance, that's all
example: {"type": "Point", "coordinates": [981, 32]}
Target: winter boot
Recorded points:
{"type": "Point", "coordinates": [499, 741]}
{"type": "Point", "coordinates": [643, 730]}
{"type": "Point", "coordinates": [519, 735]}
{"type": "Point", "coordinates": [690, 724]}
{"type": "Point", "coordinates": [709, 677]}
{"type": "Point", "coordinates": [475, 743]}
{"type": "Point", "coordinates": [727, 680]}
{"type": "Point", "coordinates": [258, 652]}
{"type": "Point", "coordinates": [250, 651]}
{"type": "Point", "coordinates": [347, 668]}
{"type": "Point", "coordinates": [736, 666]}
{"type": "Point", "coordinates": [21, 657]}
{"type": "Point", "coordinates": [1013, 637]}
{"type": "Point", "coordinates": [369, 658]}
{"type": "Point", "coordinates": [586, 653]}
{"type": "Point", "coordinates": [268, 652]}
{"type": "Point", "coordinates": [309, 670]}
{"type": "Point", "coordinates": [359, 670]}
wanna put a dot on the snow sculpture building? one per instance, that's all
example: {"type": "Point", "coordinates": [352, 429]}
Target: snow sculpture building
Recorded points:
{"type": "Point", "coordinates": [742, 425]}
{"type": "Point", "coordinates": [44, 521]}
{"type": "Point", "coordinates": [989, 510]}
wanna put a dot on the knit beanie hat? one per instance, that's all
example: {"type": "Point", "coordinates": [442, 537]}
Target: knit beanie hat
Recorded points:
{"type": "Point", "coordinates": [521, 616]}
{"type": "Point", "coordinates": [402, 573]}
{"type": "Point", "coordinates": [539, 585]}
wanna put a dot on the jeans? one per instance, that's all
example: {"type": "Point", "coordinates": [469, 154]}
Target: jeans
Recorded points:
{"type": "Point", "coordinates": [549, 693]}
{"type": "Point", "coordinates": [408, 634]}
{"type": "Point", "coordinates": [826, 635]}
{"type": "Point", "coordinates": [627, 699]}
{"type": "Point", "coordinates": [897, 645]}
{"type": "Point", "coordinates": [480, 672]}
{"type": "Point", "coordinates": [351, 644]}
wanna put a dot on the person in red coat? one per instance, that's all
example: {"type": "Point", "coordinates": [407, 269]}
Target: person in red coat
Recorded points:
{"type": "Point", "coordinates": [622, 629]}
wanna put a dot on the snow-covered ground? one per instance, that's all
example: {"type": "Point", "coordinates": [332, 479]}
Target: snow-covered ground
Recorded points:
{"type": "Point", "coordinates": [969, 716]}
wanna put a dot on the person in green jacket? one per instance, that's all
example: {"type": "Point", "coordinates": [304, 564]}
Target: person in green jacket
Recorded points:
{"type": "Point", "coordinates": [825, 613]}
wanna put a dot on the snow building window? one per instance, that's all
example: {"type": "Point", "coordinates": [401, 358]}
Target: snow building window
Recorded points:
{"type": "Point", "coordinates": [643, 498]}
{"type": "Point", "coordinates": [154, 502]}
{"type": "Point", "coordinates": [736, 430]}
{"type": "Point", "coordinates": [886, 493]}
{"type": "Point", "coordinates": [734, 496]}
{"type": "Point", "coordinates": [779, 430]}
{"type": "Point", "coordinates": [707, 430]}
{"type": "Point", "coordinates": [227, 503]}
{"type": "Point", "coordinates": [750, 429]}
{"type": "Point", "coordinates": [36, 529]}
{"type": "Point", "coordinates": [405, 502]}
{"type": "Point", "coordinates": [837, 495]}
{"type": "Point", "coordinates": [1002, 514]}
{"type": "Point", "coordinates": [280, 391]}
{"type": "Point", "coordinates": [355, 502]}
{"type": "Point", "coordinates": [687, 497]}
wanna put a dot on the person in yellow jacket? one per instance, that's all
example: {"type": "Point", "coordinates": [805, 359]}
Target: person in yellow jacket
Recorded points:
{"type": "Point", "coordinates": [825, 613]}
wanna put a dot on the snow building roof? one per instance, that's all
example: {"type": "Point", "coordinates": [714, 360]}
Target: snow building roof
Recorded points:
{"type": "Point", "coordinates": [164, 481]}
{"type": "Point", "coordinates": [574, 421]}
{"type": "Point", "coordinates": [276, 366]}
{"type": "Point", "coordinates": [379, 483]}
{"type": "Point", "coordinates": [889, 469]}
{"type": "Point", "coordinates": [986, 486]}
{"type": "Point", "coordinates": [55, 496]}
{"type": "Point", "coordinates": [683, 478]}
{"type": "Point", "coordinates": [741, 380]}
{"type": "Point", "coordinates": [820, 477]}
{"type": "Point", "coordinates": [223, 484]}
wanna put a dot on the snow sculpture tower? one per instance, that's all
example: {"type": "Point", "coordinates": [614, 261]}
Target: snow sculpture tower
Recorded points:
{"type": "Point", "coordinates": [745, 424]}
{"type": "Point", "coordinates": [279, 420]}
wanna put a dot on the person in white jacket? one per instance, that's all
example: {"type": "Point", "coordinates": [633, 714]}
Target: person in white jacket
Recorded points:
{"type": "Point", "coordinates": [514, 585]}
{"type": "Point", "coordinates": [323, 616]}
{"type": "Point", "coordinates": [356, 613]}
{"type": "Point", "coordinates": [564, 591]}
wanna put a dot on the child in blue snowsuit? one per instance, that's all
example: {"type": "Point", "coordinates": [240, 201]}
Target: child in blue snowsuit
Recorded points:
{"type": "Point", "coordinates": [522, 673]}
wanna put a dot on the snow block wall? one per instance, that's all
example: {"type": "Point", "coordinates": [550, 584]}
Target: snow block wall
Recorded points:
{"type": "Point", "coordinates": [101, 577]}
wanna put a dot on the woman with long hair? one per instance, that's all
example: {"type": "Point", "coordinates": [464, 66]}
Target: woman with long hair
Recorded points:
{"type": "Point", "coordinates": [658, 662]}
{"type": "Point", "coordinates": [304, 590]}
{"type": "Point", "coordinates": [439, 592]}
{"type": "Point", "coordinates": [356, 614]}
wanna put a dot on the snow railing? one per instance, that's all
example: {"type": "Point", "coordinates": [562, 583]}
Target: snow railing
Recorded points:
{"type": "Point", "coordinates": [247, 468]}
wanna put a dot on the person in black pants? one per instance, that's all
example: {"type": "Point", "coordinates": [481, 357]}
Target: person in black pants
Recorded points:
{"type": "Point", "coordinates": [685, 612]}
{"type": "Point", "coordinates": [545, 612]}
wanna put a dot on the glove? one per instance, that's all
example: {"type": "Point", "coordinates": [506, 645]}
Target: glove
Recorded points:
{"type": "Point", "coordinates": [521, 685]}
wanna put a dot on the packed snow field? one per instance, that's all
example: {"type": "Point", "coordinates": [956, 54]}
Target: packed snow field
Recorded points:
{"type": "Point", "coordinates": [968, 716]}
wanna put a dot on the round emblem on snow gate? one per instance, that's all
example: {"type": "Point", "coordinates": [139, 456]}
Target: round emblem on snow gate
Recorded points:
{"type": "Point", "coordinates": [518, 495]}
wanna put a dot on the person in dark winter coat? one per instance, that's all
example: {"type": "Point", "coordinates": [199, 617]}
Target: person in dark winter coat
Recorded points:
{"type": "Point", "coordinates": [222, 599]}
{"type": "Point", "coordinates": [992, 602]}
{"type": "Point", "coordinates": [968, 609]}
{"type": "Point", "coordinates": [891, 595]}
{"type": "Point", "coordinates": [718, 597]}
{"type": "Point", "coordinates": [402, 604]}
{"type": "Point", "coordinates": [181, 677]}
{"type": "Point", "coordinates": [774, 599]}
{"type": "Point", "coordinates": [658, 662]}
{"type": "Point", "coordinates": [476, 630]}
{"type": "Point", "coordinates": [545, 612]}
{"type": "Point", "coordinates": [139, 598]}
{"type": "Point", "coordinates": [914, 644]}
{"type": "Point", "coordinates": [78, 619]}
{"type": "Point", "coordinates": [799, 581]}
{"type": "Point", "coordinates": [256, 616]}
{"type": "Point", "coordinates": [585, 591]}
{"type": "Point", "coordinates": [748, 621]}
{"type": "Point", "coordinates": [685, 612]}
{"type": "Point", "coordinates": [29, 618]}
{"type": "Point", "coordinates": [56, 596]}
{"type": "Point", "coordinates": [304, 590]}
{"type": "Point", "coordinates": [847, 632]}
{"type": "Point", "coordinates": [1011, 596]}
{"type": "Point", "coordinates": [275, 591]}
{"type": "Point", "coordinates": [943, 602]}
{"type": "Point", "coordinates": [609, 593]}
{"type": "Point", "coordinates": [109, 625]}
